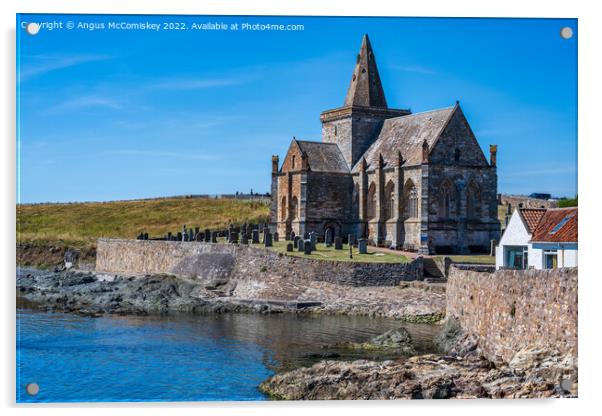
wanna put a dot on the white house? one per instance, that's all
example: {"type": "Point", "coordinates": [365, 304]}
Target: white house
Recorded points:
{"type": "Point", "coordinates": [540, 239]}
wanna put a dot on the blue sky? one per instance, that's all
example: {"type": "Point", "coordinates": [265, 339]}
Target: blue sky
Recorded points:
{"type": "Point", "coordinates": [116, 114]}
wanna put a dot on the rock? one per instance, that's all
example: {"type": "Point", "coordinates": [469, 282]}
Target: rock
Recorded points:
{"type": "Point", "coordinates": [395, 338]}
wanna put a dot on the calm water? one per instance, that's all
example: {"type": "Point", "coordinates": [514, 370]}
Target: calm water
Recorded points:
{"type": "Point", "coordinates": [177, 358]}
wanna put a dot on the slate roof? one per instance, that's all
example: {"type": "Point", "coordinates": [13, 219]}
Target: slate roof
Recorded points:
{"type": "Point", "coordinates": [365, 88]}
{"type": "Point", "coordinates": [531, 217]}
{"type": "Point", "coordinates": [557, 225]}
{"type": "Point", "coordinates": [406, 134]}
{"type": "Point", "coordinates": [324, 157]}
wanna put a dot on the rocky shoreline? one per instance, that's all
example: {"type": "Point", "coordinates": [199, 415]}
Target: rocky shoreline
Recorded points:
{"type": "Point", "coordinates": [460, 373]}
{"type": "Point", "coordinates": [90, 293]}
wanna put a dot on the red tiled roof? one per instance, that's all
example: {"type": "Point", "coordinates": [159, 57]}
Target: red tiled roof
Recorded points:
{"type": "Point", "coordinates": [531, 217]}
{"type": "Point", "coordinates": [558, 225]}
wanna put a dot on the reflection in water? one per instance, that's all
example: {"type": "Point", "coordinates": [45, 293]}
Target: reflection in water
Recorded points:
{"type": "Point", "coordinates": [177, 358]}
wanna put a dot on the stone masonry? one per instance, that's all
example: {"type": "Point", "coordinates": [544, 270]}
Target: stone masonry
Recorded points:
{"type": "Point", "coordinates": [510, 310]}
{"type": "Point", "coordinates": [230, 261]}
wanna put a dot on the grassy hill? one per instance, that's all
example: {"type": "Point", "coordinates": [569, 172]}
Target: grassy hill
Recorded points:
{"type": "Point", "coordinates": [80, 224]}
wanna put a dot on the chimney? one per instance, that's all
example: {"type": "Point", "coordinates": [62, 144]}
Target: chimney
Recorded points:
{"type": "Point", "coordinates": [493, 154]}
{"type": "Point", "coordinates": [275, 161]}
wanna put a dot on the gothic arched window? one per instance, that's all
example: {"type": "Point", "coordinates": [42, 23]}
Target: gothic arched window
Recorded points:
{"type": "Point", "coordinates": [389, 200]}
{"type": "Point", "coordinates": [371, 208]}
{"type": "Point", "coordinates": [411, 200]}
{"type": "Point", "coordinates": [447, 200]}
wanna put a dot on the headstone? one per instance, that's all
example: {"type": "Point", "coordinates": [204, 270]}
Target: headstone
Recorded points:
{"type": "Point", "coordinates": [289, 247]}
{"type": "Point", "coordinates": [267, 239]}
{"type": "Point", "coordinates": [292, 236]}
{"type": "Point", "coordinates": [306, 235]}
{"type": "Point", "coordinates": [265, 232]}
{"type": "Point", "coordinates": [255, 239]}
{"type": "Point", "coordinates": [275, 236]}
{"type": "Point", "coordinates": [307, 247]}
{"type": "Point", "coordinates": [313, 238]}
{"type": "Point", "coordinates": [169, 236]}
{"type": "Point", "coordinates": [338, 243]}
{"type": "Point", "coordinates": [208, 236]}
{"type": "Point", "coordinates": [328, 237]}
{"type": "Point", "coordinates": [213, 236]}
{"type": "Point", "coordinates": [351, 238]}
{"type": "Point", "coordinates": [300, 244]}
{"type": "Point", "coordinates": [146, 236]}
{"type": "Point", "coordinates": [185, 237]}
{"type": "Point", "coordinates": [233, 237]}
{"type": "Point", "coordinates": [296, 241]}
{"type": "Point", "coordinates": [200, 237]}
{"type": "Point", "coordinates": [190, 235]}
{"type": "Point", "coordinates": [196, 230]}
{"type": "Point", "coordinates": [180, 237]}
{"type": "Point", "coordinates": [363, 246]}
{"type": "Point", "coordinates": [244, 238]}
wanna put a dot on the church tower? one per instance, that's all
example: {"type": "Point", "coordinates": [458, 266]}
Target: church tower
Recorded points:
{"type": "Point", "coordinates": [356, 125]}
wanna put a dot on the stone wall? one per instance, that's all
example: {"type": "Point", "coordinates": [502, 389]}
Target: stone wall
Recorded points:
{"type": "Point", "coordinates": [516, 200]}
{"type": "Point", "coordinates": [510, 309]}
{"type": "Point", "coordinates": [230, 261]}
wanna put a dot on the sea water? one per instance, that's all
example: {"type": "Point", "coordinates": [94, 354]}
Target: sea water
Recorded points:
{"type": "Point", "coordinates": [178, 358]}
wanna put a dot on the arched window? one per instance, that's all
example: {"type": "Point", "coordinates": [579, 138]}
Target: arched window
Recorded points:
{"type": "Point", "coordinates": [447, 200]}
{"type": "Point", "coordinates": [411, 200]}
{"type": "Point", "coordinates": [389, 200]}
{"type": "Point", "coordinates": [293, 162]}
{"type": "Point", "coordinates": [283, 209]}
{"type": "Point", "coordinates": [371, 208]}
{"type": "Point", "coordinates": [473, 201]}
{"type": "Point", "coordinates": [294, 208]}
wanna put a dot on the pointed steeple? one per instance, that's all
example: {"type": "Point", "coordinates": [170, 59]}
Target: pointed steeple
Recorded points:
{"type": "Point", "coordinates": [365, 88]}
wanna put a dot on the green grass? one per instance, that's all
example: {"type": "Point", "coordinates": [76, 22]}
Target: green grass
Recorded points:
{"type": "Point", "coordinates": [329, 253]}
{"type": "Point", "coordinates": [473, 259]}
{"type": "Point", "coordinates": [80, 224]}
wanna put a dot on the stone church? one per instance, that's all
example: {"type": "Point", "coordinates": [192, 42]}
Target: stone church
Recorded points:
{"type": "Point", "coordinates": [417, 182]}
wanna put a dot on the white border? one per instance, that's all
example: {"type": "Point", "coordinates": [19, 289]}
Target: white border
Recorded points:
{"type": "Point", "coordinates": [590, 151]}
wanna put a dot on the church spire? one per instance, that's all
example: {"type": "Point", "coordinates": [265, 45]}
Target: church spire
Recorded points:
{"type": "Point", "coordinates": [365, 88]}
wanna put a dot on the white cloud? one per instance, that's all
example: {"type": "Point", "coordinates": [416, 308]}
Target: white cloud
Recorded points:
{"type": "Point", "coordinates": [42, 64]}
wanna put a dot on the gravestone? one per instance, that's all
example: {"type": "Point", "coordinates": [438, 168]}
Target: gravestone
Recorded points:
{"type": "Point", "coordinates": [328, 237]}
{"type": "Point", "coordinates": [233, 237]}
{"type": "Point", "coordinates": [296, 241]}
{"type": "Point", "coordinates": [179, 236]}
{"type": "Point", "coordinates": [213, 236]}
{"type": "Point", "coordinates": [200, 237]}
{"type": "Point", "coordinates": [313, 238]}
{"type": "Point", "coordinates": [169, 236]}
{"type": "Point", "coordinates": [307, 247]}
{"type": "Point", "coordinates": [338, 243]}
{"type": "Point", "coordinates": [190, 235]}
{"type": "Point", "coordinates": [146, 236]}
{"type": "Point", "coordinates": [292, 236]}
{"type": "Point", "coordinates": [352, 239]}
{"type": "Point", "coordinates": [244, 238]}
{"type": "Point", "coordinates": [267, 239]}
{"type": "Point", "coordinates": [306, 235]}
{"type": "Point", "coordinates": [255, 239]}
{"type": "Point", "coordinates": [196, 230]}
{"type": "Point", "coordinates": [363, 246]}
{"type": "Point", "coordinates": [300, 244]}
{"type": "Point", "coordinates": [208, 236]}
{"type": "Point", "coordinates": [289, 247]}
{"type": "Point", "coordinates": [275, 236]}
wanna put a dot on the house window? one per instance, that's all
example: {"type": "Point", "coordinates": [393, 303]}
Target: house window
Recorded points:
{"type": "Point", "coordinates": [516, 257]}
{"type": "Point", "coordinates": [550, 259]}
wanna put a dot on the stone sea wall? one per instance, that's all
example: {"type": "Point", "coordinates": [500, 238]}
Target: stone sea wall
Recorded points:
{"type": "Point", "coordinates": [232, 261]}
{"type": "Point", "coordinates": [510, 310]}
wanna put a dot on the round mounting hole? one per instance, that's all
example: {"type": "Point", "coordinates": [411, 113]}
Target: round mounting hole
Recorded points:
{"type": "Point", "coordinates": [32, 389]}
{"type": "Point", "coordinates": [566, 32]}
{"type": "Point", "coordinates": [32, 28]}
